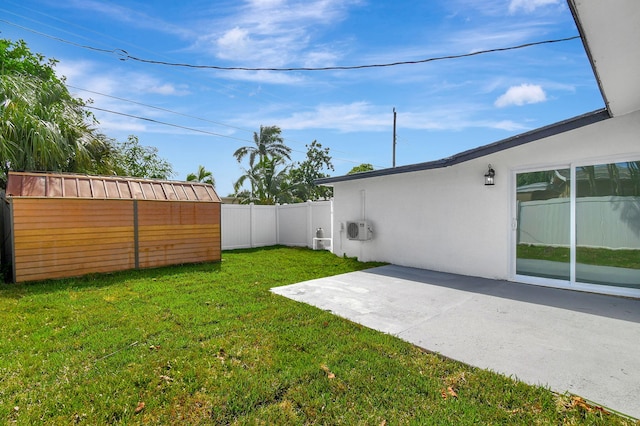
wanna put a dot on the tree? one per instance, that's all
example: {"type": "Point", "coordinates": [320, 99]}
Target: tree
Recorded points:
{"type": "Point", "coordinates": [16, 58]}
{"type": "Point", "coordinates": [268, 143]}
{"type": "Point", "coordinates": [268, 181]}
{"type": "Point", "coordinates": [203, 175]}
{"type": "Point", "coordinates": [43, 127]}
{"type": "Point", "coordinates": [364, 167]}
{"type": "Point", "coordinates": [303, 175]}
{"type": "Point", "coordinates": [136, 160]}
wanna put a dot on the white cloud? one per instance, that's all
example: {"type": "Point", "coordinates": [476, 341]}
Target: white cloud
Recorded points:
{"type": "Point", "coordinates": [274, 33]}
{"type": "Point", "coordinates": [520, 95]}
{"type": "Point", "coordinates": [529, 5]}
{"type": "Point", "coordinates": [365, 117]}
{"type": "Point", "coordinates": [356, 116]}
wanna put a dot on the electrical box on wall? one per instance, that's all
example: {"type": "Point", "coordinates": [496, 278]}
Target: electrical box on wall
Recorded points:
{"type": "Point", "coordinates": [359, 230]}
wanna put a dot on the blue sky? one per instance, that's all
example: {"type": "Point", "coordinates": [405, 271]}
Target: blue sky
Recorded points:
{"type": "Point", "coordinates": [443, 107]}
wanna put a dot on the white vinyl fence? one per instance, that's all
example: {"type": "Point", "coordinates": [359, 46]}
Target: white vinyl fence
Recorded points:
{"type": "Point", "coordinates": [248, 226]}
{"type": "Point", "coordinates": [605, 222]}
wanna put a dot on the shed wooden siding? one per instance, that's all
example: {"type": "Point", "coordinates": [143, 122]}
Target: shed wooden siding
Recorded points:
{"type": "Point", "coordinates": [63, 225]}
{"type": "Point", "coordinates": [55, 238]}
{"type": "Point", "coordinates": [178, 232]}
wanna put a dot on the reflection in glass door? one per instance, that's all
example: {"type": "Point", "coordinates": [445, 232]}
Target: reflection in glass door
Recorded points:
{"type": "Point", "coordinates": [604, 248]}
{"type": "Point", "coordinates": [543, 224]}
{"type": "Point", "coordinates": [608, 224]}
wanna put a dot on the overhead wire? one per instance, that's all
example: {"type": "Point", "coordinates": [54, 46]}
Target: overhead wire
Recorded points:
{"type": "Point", "coordinates": [182, 114]}
{"type": "Point", "coordinates": [159, 108]}
{"type": "Point", "coordinates": [123, 55]}
{"type": "Point", "coordinates": [164, 123]}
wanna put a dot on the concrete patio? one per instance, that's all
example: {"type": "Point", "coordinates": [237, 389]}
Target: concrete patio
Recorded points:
{"type": "Point", "coordinates": [581, 343]}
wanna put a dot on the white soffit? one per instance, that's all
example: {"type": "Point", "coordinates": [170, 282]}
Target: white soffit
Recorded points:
{"type": "Point", "coordinates": [611, 32]}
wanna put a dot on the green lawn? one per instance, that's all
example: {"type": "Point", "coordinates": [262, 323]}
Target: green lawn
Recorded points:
{"type": "Point", "coordinates": [209, 344]}
{"type": "Point", "coordinates": [585, 255]}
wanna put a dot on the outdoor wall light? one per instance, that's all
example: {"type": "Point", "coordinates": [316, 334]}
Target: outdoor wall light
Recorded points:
{"type": "Point", "coordinates": [489, 177]}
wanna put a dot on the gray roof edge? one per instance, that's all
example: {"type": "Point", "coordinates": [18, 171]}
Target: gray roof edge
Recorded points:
{"type": "Point", "coordinates": [492, 148]}
{"type": "Point", "coordinates": [587, 49]}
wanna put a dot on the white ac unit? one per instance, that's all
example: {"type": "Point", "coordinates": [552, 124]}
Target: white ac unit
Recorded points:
{"type": "Point", "coordinates": [358, 230]}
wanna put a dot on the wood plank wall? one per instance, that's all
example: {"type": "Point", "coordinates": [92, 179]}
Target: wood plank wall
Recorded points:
{"type": "Point", "coordinates": [178, 232]}
{"type": "Point", "coordinates": [56, 238]}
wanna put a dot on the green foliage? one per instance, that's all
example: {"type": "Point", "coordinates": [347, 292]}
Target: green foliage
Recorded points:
{"type": "Point", "coordinates": [268, 143]}
{"type": "Point", "coordinates": [43, 126]}
{"type": "Point", "coordinates": [45, 129]}
{"type": "Point", "coordinates": [272, 179]}
{"type": "Point", "coordinates": [137, 160]}
{"type": "Point", "coordinates": [203, 175]}
{"type": "Point", "coordinates": [364, 167]}
{"type": "Point", "coordinates": [305, 173]}
{"type": "Point", "coordinates": [210, 344]}
{"type": "Point", "coordinates": [16, 58]}
{"type": "Point", "coordinates": [268, 182]}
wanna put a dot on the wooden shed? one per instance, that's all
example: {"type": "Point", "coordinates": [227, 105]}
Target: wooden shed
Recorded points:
{"type": "Point", "coordinates": [63, 225]}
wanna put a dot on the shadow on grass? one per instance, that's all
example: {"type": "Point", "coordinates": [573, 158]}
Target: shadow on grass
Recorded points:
{"type": "Point", "coordinates": [19, 290]}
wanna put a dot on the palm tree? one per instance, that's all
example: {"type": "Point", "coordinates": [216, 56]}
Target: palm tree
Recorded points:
{"type": "Point", "coordinates": [268, 184]}
{"type": "Point", "coordinates": [203, 175]}
{"type": "Point", "coordinates": [268, 143]}
{"type": "Point", "coordinates": [44, 128]}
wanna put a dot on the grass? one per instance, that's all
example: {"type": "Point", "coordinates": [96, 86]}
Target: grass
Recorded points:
{"type": "Point", "coordinates": [584, 255]}
{"type": "Point", "coordinates": [209, 344]}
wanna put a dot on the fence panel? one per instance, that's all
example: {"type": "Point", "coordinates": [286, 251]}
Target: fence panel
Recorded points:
{"type": "Point", "coordinates": [245, 226]}
{"type": "Point", "coordinates": [236, 226]}
{"type": "Point", "coordinates": [263, 226]}
{"type": "Point", "coordinates": [548, 222]}
{"type": "Point", "coordinates": [294, 226]}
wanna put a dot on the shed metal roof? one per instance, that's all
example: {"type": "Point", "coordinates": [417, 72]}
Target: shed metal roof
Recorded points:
{"type": "Point", "coordinates": [62, 185]}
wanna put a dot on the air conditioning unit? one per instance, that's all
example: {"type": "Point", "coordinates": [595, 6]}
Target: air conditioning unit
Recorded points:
{"type": "Point", "coordinates": [358, 230]}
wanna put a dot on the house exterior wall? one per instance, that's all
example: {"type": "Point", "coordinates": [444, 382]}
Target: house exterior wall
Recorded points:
{"type": "Point", "coordinates": [445, 219]}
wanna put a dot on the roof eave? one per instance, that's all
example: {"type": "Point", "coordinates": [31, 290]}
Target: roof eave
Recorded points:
{"type": "Point", "coordinates": [504, 144]}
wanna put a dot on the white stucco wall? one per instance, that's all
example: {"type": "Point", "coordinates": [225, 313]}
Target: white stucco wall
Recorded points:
{"type": "Point", "coordinates": [447, 220]}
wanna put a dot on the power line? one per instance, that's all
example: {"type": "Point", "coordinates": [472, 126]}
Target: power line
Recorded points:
{"type": "Point", "coordinates": [151, 120]}
{"type": "Point", "coordinates": [137, 117]}
{"type": "Point", "coordinates": [188, 116]}
{"type": "Point", "coordinates": [159, 108]}
{"type": "Point", "coordinates": [126, 56]}
{"type": "Point", "coordinates": [123, 55]}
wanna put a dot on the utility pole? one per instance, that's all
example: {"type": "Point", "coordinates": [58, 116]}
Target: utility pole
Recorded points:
{"type": "Point", "coordinates": [394, 137]}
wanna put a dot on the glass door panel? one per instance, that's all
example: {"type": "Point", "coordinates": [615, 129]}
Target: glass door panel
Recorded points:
{"type": "Point", "coordinates": [608, 224]}
{"type": "Point", "coordinates": [543, 224]}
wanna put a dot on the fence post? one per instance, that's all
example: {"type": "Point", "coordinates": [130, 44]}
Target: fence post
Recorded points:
{"type": "Point", "coordinates": [251, 225]}
{"type": "Point", "coordinates": [277, 207]}
{"type": "Point", "coordinates": [331, 226]}
{"type": "Point", "coordinates": [310, 231]}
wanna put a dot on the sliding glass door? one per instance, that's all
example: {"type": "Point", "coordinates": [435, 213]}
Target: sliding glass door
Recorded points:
{"type": "Point", "coordinates": [579, 225]}
{"type": "Point", "coordinates": [608, 224]}
{"type": "Point", "coordinates": [543, 224]}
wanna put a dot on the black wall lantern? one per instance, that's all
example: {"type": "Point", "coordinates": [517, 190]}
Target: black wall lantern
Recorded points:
{"type": "Point", "coordinates": [489, 177]}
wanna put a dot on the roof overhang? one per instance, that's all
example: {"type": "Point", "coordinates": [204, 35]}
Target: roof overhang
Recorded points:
{"type": "Point", "coordinates": [521, 139]}
{"type": "Point", "coordinates": [610, 32]}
